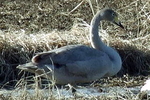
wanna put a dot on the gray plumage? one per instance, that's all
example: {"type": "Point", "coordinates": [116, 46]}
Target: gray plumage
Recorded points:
{"type": "Point", "coordinates": [78, 63]}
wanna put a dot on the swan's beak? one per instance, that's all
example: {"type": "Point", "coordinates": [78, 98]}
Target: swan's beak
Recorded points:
{"type": "Point", "coordinates": [117, 22]}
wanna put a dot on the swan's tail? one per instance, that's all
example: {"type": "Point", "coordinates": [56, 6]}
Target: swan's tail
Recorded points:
{"type": "Point", "coordinates": [28, 67]}
{"type": "Point", "coordinates": [31, 67]}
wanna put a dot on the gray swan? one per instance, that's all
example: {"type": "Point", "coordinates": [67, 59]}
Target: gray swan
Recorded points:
{"type": "Point", "coordinates": [74, 64]}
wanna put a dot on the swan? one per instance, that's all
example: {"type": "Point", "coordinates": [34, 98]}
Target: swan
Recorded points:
{"type": "Point", "coordinates": [74, 64]}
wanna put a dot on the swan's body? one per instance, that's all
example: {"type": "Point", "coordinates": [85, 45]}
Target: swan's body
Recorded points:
{"type": "Point", "coordinates": [79, 63]}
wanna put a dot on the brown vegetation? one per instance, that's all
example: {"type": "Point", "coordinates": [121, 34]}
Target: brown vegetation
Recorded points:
{"type": "Point", "coordinates": [31, 26]}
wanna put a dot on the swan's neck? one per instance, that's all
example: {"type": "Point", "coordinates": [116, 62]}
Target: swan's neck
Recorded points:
{"type": "Point", "coordinates": [98, 44]}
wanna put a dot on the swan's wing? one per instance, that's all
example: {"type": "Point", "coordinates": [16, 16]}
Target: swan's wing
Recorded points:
{"type": "Point", "coordinates": [75, 59]}
{"type": "Point", "coordinates": [67, 54]}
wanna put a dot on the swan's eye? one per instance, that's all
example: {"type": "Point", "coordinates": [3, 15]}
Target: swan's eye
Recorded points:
{"type": "Point", "coordinates": [113, 14]}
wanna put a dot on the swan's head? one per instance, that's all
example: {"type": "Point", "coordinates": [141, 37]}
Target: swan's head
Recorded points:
{"type": "Point", "coordinates": [110, 15]}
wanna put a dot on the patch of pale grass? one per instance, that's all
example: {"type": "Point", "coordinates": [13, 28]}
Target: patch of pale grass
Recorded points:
{"type": "Point", "coordinates": [58, 93]}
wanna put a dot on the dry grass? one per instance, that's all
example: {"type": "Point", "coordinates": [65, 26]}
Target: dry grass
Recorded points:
{"type": "Point", "coordinates": [28, 27]}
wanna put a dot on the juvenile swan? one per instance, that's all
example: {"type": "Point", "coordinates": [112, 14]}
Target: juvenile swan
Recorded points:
{"type": "Point", "coordinates": [79, 63]}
